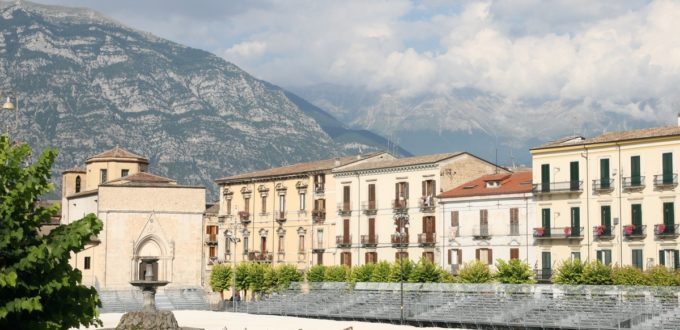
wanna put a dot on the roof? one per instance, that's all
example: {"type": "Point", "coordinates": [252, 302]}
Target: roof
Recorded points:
{"type": "Point", "coordinates": [644, 133]}
{"type": "Point", "coordinates": [142, 178]}
{"type": "Point", "coordinates": [300, 168]}
{"type": "Point", "coordinates": [83, 193]}
{"type": "Point", "coordinates": [401, 162]}
{"type": "Point", "coordinates": [75, 169]}
{"type": "Point", "coordinates": [510, 183]}
{"type": "Point", "coordinates": [213, 209]}
{"type": "Point", "coordinates": [117, 153]}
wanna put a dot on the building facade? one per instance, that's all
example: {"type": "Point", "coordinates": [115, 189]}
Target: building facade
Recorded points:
{"type": "Point", "coordinates": [489, 218]}
{"type": "Point", "coordinates": [145, 216]}
{"type": "Point", "coordinates": [610, 198]}
{"type": "Point", "coordinates": [387, 210]}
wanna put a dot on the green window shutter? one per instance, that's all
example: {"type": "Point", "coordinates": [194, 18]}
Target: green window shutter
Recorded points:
{"type": "Point", "coordinates": [545, 177]}
{"type": "Point", "coordinates": [637, 258]}
{"type": "Point", "coordinates": [607, 257]}
{"type": "Point", "coordinates": [545, 260]}
{"type": "Point", "coordinates": [676, 259]}
{"type": "Point", "coordinates": [604, 173]}
{"type": "Point", "coordinates": [635, 179]}
{"type": "Point", "coordinates": [606, 219]}
{"type": "Point", "coordinates": [636, 210]}
{"type": "Point", "coordinates": [667, 164]}
{"type": "Point", "coordinates": [573, 176]}
{"type": "Point", "coordinates": [545, 221]}
{"type": "Point", "coordinates": [575, 221]}
{"type": "Point", "coordinates": [662, 261]}
{"type": "Point", "coordinates": [598, 254]}
{"type": "Point", "coordinates": [668, 214]}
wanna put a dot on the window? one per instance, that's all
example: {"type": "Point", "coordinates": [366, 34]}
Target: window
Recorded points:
{"type": "Point", "coordinates": [575, 255]}
{"type": "Point", "coordinates": [227, 246]}
{"type": "Point", "coordinates": [514, 253]}
{"type": "Point", "coordinates": [455, 257]}
{"type": "Point", "coordinates": [401, 256]}
{"type": "Point", "coordinates": [604, 256]}
{"type": "Point", "coordinates": [371, 257]}
{"type": "Point", "coordinates": [263, 244]}
{"type": "Point", "coordinates": [667, 167]}
{"type": "Point", "coordinates": [229, 206]}
{"type": "Point", "coordinates": [245, 245]}
{"type": "Point", "coordinates": [371, 196]}
{"type": "Point", "coordinates": [637, 258]}
{"type": "Point", "coordinates": [301, 243]}
{"type": "Point", "coordinates": [212, 251]}
{"type": "Point", "coordinates": [282, 203]}
{"type": "Point", "coordinates": [246, 204]}
{"type": "Point", "coordinates": [319, 238]}
{"type": "Point", "coordinates": [455, 228]}
{"type": "Point", "coordinates": [574, 183]}
{"type": "Point", "coordinates": [319, 258]}
{"type": "Point", "coordinates": [401, 194]}
{"type": "Point", "coordinates": [635, 179]}
{"type": "Point", "coordinates": [546, 266]}
{"type": "Point", "coordinates": [669, 258]}
{"type": "Point", "coordinates": [86, 263]}
{"type": "Point", "coordinates": [346, 259]}
{"type": "Point", "coordinates": [545, 178]}
{"type": "Point", "coordinates": [575, 221]}
{"type": "Point", "coordinates": [483, 222]}
{"type": "Point", "coordinates": [282, 245]}
{"type": "Point", "coordinates": [669, 217]}
{"type": "Point", "coordinates": [604, 173]}
{"type": "Point", "coordinates": [264, 204]}
{"type": "Point", "coordinates": [428, 192]}
{"type": "Point", "coordinates": [484, 255]}
{"type": "Point", "coordinates": [124, 172]}
{"type": "Point", "coordinates": [102, 176]}
{"type": "Point", "coordinates": [345, 198]}
{"type": "Point", "coordinates": [514, 221]}
{"type": "Point", "coordinates": [211, 232]}
{"type": "Point", "coordinates": [302, 201]}
{"type": "Point", "coordinates": [78, 184]}
{"type": "Point", "coordinates": [545, 222]}
{"type": "Point", "coordinates": [606, 219]}
{"type": "Point", "coordinates": [636, 216]}
{"type": "Point", "coordinates": [429, 255]}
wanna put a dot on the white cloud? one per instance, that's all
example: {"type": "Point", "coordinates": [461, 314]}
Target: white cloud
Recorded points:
{"type": "Point", "coordinates": [245, 50]}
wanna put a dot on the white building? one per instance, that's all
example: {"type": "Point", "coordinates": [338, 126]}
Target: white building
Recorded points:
{"type": "Point", "coordinates": [489, 218]}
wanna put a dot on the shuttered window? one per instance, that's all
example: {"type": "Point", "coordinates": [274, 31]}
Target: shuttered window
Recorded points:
{"type": "Point", "coordinates": [514, 253]}
{"type": "Point", "coordinates": [637, 258]}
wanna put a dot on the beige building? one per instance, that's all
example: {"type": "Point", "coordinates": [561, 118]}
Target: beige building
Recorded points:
{"type": "Point", "coordinates": [375, 199]}
{"type": "Point", "coordinates": [611, 198]}
{"type": "Point", "coordinates": [145, 216]}
{"type": "Point", "coordinates": [279, 215]}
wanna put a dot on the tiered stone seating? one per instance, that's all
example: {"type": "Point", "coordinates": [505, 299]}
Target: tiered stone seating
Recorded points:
{"type": "Point", "coordinates": [126, 300]}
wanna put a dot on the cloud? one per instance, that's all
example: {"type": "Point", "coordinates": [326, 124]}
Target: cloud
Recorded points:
{"type": "Point", "coordinates": [245, 50]}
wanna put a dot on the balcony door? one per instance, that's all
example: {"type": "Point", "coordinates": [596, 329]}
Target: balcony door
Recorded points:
{"type": "Point", "coordinates": [546, 265]}
{"type": "Point", "coordinates": [429, 228]}
{"type": "Point", "coordinates": [345, 231]}
{"type": "Point", "coordinates": [371, 230]}
{"type": "Point", "coordinates": [371, 196]}
{"type": "Point", "coordinates": [635, 179]}
{"type": "Point", "coordinates": [606, 219]}
{"type": "Point", "coordinates": [263, 244]}
{"type": "Point", "coordinates": [545, 222]}
{"type": "Point", "coordinates": [669, 217]}
{"type": "Point", "coordinates": [575, 221]}
{"type": "Point", "coordinates": [573, 176]}
{"type": "Point", "coordinates": [667, 168]}
{"type": "Point", "coordinates": [545, 178]}
{"type": "Point", "coordinates": [604, 173]}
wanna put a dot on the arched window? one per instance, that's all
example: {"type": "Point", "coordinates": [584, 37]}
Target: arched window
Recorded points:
{"type": "Point", "coordinates": [78, 184]}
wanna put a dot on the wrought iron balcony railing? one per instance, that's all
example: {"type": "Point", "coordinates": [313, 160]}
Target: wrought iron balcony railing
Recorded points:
{"type": "Point", "coordinates": [369, 240]}
{"type": "Point", "coordinates": [666, 230]}
{"type": "Point", "coordinates": [558, 233]}
{"type": "Point", "coordinates": [603, 185]}
{"type": "Point", "coordinates": [399, 240]}
{"type": "Point", "coordinates": [244, 216]}
{"type": "Point", "coordinates": [427, 239]}
{"type": "Point", "coordinates": [634, 232]}
{"type": "Point", "coordinates": [370, 207]}
{"type": "Point", "coordinates": [481, 232]}
{"type": "Point", "coordinates": [602, 232]}
{"type": "Point", "coordinates": [558, 187]}
{"type": "Point", "coordinates": [633, 182]}
{"type": "Point", "coordinates": [211, 239]}
{"type": "Point", "coordinates": [400, 204]}
{"type": "Point", "coordinates": [344, 208]}
{"type": "Point", "coordinates": [427, 204]}
{"type": "Point", "coordinates": [343, 240]}
{"type": "Point", "coordinates": [281, 216]}
{"type": "Point", "coordinates": [318, 215]}
{"type": "Point", "coordinates": [666, 180]}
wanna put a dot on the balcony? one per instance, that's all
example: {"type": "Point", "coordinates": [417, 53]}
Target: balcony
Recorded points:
{"type": "Point", "coordinates": [223, 218]}
{"type": "Point", "coordinates": [399, 240]}
{"type": "Point", "coordinates": [369, 208]}
{"type": "Point", "coordinates": [481, 232]}
{"type": "Point", "coordinates": [344, 208]}
{"type": "Point", "coordinates": [319, 188]}
{"type": "Point", "coordinates": [514, 230]}
{"type": "Point", "coordinates": [369, 241]}
{"type": "Point", "coordinates": [602, 232]}
{"type": "Point", "coordinates": [400, 205]}
{"type": "Point", "coordinates": [667, 180]}
{"type": "Point", "coordinates": [427, 204]}
{"type": "Point", "coordinates": [565, 187]}
{"type": "Point", "coordinates": [603, 186]}
{"type": "Point", "coordinates": [244, 216]}
{"type": "Point", "coordinates": [427, 239]}
{"type": "Point", "coordinates": [318, 248]}
{"type": "Point", "coordinates": [343, 241]}
{"type": "Point", "coordinates": [543, 275]}
{"type": "Point", "coordinates": [281, 216]}
{"type": "Point", "coordinates": [633, 182]}
{"type": "Point", "coordinates": [318, 216]}
{"type": "Point", "coordinates": [634, 232]}
{"type": "Point", "coordinates": [666, 231]}
{"type": "Point", "coordinates": [260, 256]}
{"type": "Point", "coordinates": [555, 233]}
{"type": "Point", "coordinates": [211, 239]}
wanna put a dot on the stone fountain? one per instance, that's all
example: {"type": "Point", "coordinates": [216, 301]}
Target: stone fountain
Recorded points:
{"type": "Point", "coordinates": [149, 317]}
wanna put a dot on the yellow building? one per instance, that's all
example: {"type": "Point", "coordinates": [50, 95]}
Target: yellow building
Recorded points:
{"type": "Point", "coordinates": [279, 215]}
{"type": "Point", "coordinates": [610, 198]}
{"type": "Point", "coordinates": [145, 216]}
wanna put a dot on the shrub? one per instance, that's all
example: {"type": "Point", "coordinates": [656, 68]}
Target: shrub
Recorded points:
{"type": "Point", "coordinates": [336, 274]}
{"type": "Point", "coordinates": [661, 276]}
{"type": "Point", "coordinates": [570, 272]}
{"type": "Point", "coordinates": [316, 273]}
{"type": "Point", "coordinates": [425, 271]}
{"type": "Point", "coordinates": [400, 268]}
{"type": "Point", "coordinates": [381, 272]}
{"type": "Point", "coordinates": [287, 274]}
{"type": "Point", "coordinates": [220, 278]}
{"type": "Point", "coordinates": [514, 272]}
{"type": "Point", "coordinates": [629, 275]}
{"type": "Point", "coordinates": [597, 273]}
{"type": "Point", "coordinates": [475, 272]}
{"type": "Point", "coordinates": [362, 273]}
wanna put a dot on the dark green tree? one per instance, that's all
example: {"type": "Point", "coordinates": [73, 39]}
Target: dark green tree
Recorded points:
{"type": "Point", "coordinates": [381, 272]}
{"type": "Point", "coordinates": [514, 271]}
{"type": "Point", "coordinates": [316, 273]}
{"type": "Point", "coordinates": [221, 278]}
{"type": "Point", "coordinates": [39, 289]}
{"type": "Point", "coordinates": [425, 271]}
{"type": "Point", "coordinates": [570, 272]}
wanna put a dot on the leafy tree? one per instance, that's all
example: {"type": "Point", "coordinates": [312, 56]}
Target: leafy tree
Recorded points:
{"type": "Point", "coordinates": [597, 273]}
{"type": "Point", "coordinates": [243, 278]}
{"type": "Point", "coordinates": [381, 272]}
{"type": "Point", "coordinates": [316, 273]}
{"type": "Point", "coordinates": [256, 277]}
{"type": "Point", "coordinates": [514, 271]}
{"type": "Point", "coordinates": [629, 275]}
{"type": "Point", "coordinates": [661, 276]}
{"type": "Point", "coordinates": [270, 278]}
{"type": "Point", "coordinates": [425, 271]}
{"type": "Point", "coordinates": [362, 273]}
{"type": "Point", "coordinates": [336, 274]}
{"type": "Point", "coordinates": [475, 272]}
{"type": "Point", "coordinates": [446, 277]}
{"type": "Point", "coordinates": [570, 272]}
{"type": "Point", "coordinates": [287, 274]}
{"type": "Point", "coordinates": [38, 287]}
{"type": "Point", "coordinates": [220, 278]}
{"type": "Point", "coordinates": [398, 269]}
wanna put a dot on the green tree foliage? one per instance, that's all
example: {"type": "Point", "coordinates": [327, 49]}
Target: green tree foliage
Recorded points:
{"type": "Point", "coordinates": [514, 271]}
{"type": "Point", "coordinates": [425, 271]}
{"type": "Point", "coordinates": [475, 272]}
{"type": "Point", "coordinates": [628, 275]}
{"type": "Point", "coordinates": [381, 272]}
{"type": "Point", "coordinates": [243, 278]}
{"type": "Point", "coordinates": [570, 272]}
{"type": "Point", "coordinates": [220, 278]}
{"type": "Point", "coordinates": [316, 273]}
{"type": "Point", "coordinates": [336, 274]}
{"type": "Point", "coordinates": [597, 273]}
{"type": "Point", "coordinates": [38, 287]}
{"type": "Point", "coordinates": [287, 274]}
{"type": "Point", "coordinates": [399, 269]}
{"type": "Point", "coordinates": [362, 273]}
{"type": "Point", "coordinates": [661, 276]}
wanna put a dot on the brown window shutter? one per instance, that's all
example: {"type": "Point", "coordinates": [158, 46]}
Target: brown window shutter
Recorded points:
{"type": "Point", "coordinates": [434, 188]}
{"type": "Point", "coordinates": [449, 258]}
{"type": "Point", "coordinates": [477, 254]}
{"type": "Point", "coordinates": [454, 218]}
{"type": "Point", "coordinates": [460, 256]}
{"type": "Point", "coordinates": [396, 191]}
{"type": "Point", "coordinates": [406, 190]}
{"type": "Point", "coordinates": [490, 257]}
{"type": "Point", "coordinates": [514, 253]}
{"type": "Point", "coordinates": [424, 188]}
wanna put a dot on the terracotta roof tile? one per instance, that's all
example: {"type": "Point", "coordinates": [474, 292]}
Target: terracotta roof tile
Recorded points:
{"type": "Point", "coordinates": [614, 136]}
{"type": "Point", "coordinates": [75, 169]}
{"type": "Point", "coordinates": [214, 209]}
{"type": "Point", "coordinates": [117, 152]}
{"type": "Point", "coordinates": [514, 183]}
{"type": "Point", "coordinates": [400, 162]}
{"type": "Point", "coordinates": [143, 178]}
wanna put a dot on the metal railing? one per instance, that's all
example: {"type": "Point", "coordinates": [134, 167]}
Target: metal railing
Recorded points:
{"type": "Point", "coordinates": [344, 208]}
{"type": "Point", "coordinates": [281, 216]}
{"type": "Point", "coordinates": [665, 180]}
{"type": "Point", "coordinates": [633, 231]}
{"type": "Point", "coordinates": [369, 240]}
{"type": "Point", "coordinates": [211, 239]}
{"type": "Point", "coordinates": [481, 232]}
{"type": "Point", "coordinates": [666, 230]}
{"type": "Point", "coordinates": [558, 232]}
{"type": "Point", "coordinates": [603, 184]}
{"type": "Point", "coordinates": [319, 188]}
{"type": "Point", "coordinates": [602, 232]}
{"type": "Point", "coordinates": [369, 207]}
{"type": "Point", "coordinates": [426, 239]}
{"type": "Point", "coordinates": [343, 240]}
{"type": "Point", "coordinates": [633, 182]}
{"type": "Point", "coordinates": [318, 215]}
{"type": "Point", "coordinates": [558, 187]}
{"type": "Point", "coordinates": [400, 204]}
{"type": "Point", "coordinates": [244, 216]}
{"type": "Point", "coordinates": [260, 256]}
{"type": "Point", "coordinates": [427, 204]}
{"type": "Point", "coordinates": [398, 239]}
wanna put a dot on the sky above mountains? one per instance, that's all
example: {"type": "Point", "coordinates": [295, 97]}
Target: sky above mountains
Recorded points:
{"type": "Point", "coordinates": [625, 55]}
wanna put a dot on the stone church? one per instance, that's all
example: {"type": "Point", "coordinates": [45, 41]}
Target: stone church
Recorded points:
{"type": "Point", "coordinates": [145, 216]}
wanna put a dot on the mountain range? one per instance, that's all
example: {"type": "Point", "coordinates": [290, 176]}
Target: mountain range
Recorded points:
{"type": "Point", "coordinates": [85, 83]}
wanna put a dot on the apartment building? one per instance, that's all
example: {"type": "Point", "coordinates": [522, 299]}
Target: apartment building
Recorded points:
{"type": "Point", "coordinates": [489, 218]}
{"type": "Point", "coordinates": [387, 209]}
{"type": "Point", "coordinates": [280, 215]}
{"type": "Point", "coordinates": [611, 198]}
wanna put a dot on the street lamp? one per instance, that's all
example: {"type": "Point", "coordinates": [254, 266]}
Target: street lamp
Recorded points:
{"type": "Point", "coordinates": [402, 224]}
{"type": "Point", "coordinates": [9, 105]}
{"type": "Point", "coordinates": [233, 239]}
